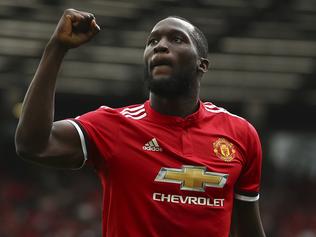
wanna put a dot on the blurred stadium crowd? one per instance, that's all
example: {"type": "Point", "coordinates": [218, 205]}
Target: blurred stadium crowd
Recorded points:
{"type": "Point", "coordinates": [263, 68]}
{"type": "Point", "coordinates": [50, 207]}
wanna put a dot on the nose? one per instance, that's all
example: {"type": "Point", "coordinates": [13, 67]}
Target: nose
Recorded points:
{"type": "Point", "coordinates": [161, 46]}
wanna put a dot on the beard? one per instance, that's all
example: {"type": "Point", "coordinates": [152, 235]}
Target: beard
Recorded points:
{"type": "Point", "coordinates": [175, 85]}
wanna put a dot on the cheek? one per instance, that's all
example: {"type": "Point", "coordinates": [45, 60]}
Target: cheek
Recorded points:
{"type": "Point", "coordinates": [146, 54]}
{"type": "Point", "coordinates": [145, 61]}
{"type": "Point", "coordinates": [187, 53]}
{"type": "Point", "coordinates": [188, 59]}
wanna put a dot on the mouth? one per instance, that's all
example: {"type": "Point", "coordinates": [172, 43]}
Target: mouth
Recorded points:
{"type": "Point", "coordinates": [163, 62]}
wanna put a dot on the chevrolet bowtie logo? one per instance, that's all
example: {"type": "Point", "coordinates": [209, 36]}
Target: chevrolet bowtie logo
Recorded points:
{"type": "Point", "coordinates": [194, 178]}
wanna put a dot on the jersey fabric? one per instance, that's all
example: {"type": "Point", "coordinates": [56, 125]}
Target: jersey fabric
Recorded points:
{"type": "Point", "coordinates": [170, 176]}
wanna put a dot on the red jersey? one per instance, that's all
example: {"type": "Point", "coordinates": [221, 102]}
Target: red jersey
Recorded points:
{"type": "Point", "coordinates": [170, 176]}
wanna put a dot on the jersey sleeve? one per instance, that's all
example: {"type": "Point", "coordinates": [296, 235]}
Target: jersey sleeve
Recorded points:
{"type": "Point", "coordinates": [248, 184]}
{"type": "Point", "coordinates": [98, 132]}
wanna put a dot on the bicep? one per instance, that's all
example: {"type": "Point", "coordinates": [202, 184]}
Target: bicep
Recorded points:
{"type": "Point", "coordinates": [63, 149]}
{"type": "Point", "coordinates": [246, 219]}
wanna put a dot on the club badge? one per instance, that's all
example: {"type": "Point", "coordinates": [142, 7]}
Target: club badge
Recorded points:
{"type": "Point", "coordinates": [224, 149]}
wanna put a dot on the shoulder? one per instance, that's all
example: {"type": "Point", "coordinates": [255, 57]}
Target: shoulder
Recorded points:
{"type": "Point", "coordinates": [229, 120]}
{"type": "Point", "coordinates": [134, 112]}
{"type": "Point", "coordinates": [213, 110]}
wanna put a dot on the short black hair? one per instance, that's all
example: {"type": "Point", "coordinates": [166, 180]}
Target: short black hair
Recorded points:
{"type": "Point", "coordinates": [198, 37]}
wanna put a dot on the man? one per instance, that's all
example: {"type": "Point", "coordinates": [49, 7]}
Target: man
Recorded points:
{"type": "Point", "coordinates": [169, 167]}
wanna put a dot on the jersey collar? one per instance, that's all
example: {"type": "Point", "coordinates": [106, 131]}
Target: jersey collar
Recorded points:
{"type": "Point", "coordinates": [162, 118]}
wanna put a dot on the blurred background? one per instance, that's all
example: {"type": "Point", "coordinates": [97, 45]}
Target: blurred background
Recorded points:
{"type": "Point", "coordinates": [263, 68]}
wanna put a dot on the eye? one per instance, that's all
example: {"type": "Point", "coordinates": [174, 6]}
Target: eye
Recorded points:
{"type": "Point", "coordinates": [178, 39]}
{"type": "Point", "coordinates": [152, 41]}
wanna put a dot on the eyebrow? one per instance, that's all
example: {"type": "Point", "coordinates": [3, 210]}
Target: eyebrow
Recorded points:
{"type": "Point", "coordinates": [172, 31]}
{"type": "Point", "coordinates": [187, 35]}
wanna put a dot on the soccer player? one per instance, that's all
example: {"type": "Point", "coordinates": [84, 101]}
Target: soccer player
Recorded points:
{"type": "Point", "coordinates": [173, 166]}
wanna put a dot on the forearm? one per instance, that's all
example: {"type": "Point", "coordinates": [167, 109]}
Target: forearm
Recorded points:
{"type": "Point", "coordinates": [36, 135]}
{"type": "Point", "coordinates": [37, 115]}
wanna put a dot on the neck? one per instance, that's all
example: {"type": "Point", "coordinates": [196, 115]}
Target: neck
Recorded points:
{"type": "Point", "coordinates": [181, 106]}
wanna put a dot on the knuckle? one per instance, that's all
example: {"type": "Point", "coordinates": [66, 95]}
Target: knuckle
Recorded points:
{"type": "Point", "coordinates": [69, 10]}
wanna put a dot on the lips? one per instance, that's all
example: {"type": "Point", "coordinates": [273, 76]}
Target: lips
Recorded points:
{"type": "Point", "coordinates": [159, 61]}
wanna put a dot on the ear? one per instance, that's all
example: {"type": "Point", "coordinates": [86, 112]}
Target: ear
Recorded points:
{"type": "Point", "coordinates": [203, 65]}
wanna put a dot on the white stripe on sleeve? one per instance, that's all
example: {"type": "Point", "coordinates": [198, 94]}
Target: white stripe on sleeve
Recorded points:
{"type": "Point", "coordinates": [82, 140]}
{"type": "Point", "coordinates": [246, 198]}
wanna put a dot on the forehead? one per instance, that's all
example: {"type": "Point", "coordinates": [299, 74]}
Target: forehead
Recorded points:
{"type": "Point", "coordinates": [173, 24]}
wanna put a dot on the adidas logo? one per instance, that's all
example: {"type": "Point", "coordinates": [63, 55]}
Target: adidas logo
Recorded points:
{"type": "Point", "coordinates": [152, 145]}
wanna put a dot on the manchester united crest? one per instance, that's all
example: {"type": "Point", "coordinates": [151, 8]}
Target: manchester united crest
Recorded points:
{"type": "Point", "coordinates": [224, 149]}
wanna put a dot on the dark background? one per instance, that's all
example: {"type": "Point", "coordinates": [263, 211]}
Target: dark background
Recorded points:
{"type": "Point", "coordinates": [263, 68]}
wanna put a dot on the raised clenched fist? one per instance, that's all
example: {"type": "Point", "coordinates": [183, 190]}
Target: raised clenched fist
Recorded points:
{"type": "Point", "coordinates": [75, 28]}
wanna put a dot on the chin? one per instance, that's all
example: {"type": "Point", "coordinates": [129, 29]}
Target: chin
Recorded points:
{"type": "Point", "coordinates": [165, 86]}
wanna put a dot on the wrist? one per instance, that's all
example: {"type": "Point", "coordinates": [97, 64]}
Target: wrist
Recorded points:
{"type": "Point", "coordinates": [56, 46]}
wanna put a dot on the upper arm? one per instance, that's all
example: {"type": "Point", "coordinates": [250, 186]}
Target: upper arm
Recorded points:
{"type": "Point", "coordinates": [248, 184]}
{"type": "Point", "coordinates": [246, 214]}
{"type": "Point", "coordinates": [63, 149]}
{"type": "Point", "coordinates": [246, 219]}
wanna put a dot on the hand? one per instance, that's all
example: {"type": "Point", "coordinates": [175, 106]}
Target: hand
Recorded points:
{"type": "Point", "coordinates": [75, 28]}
